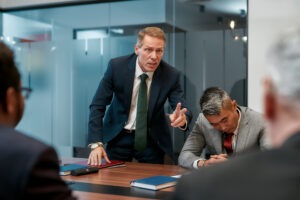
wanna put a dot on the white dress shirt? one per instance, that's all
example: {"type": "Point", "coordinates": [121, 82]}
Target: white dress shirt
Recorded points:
{"type": "Point", "coordinates": [130, 124]}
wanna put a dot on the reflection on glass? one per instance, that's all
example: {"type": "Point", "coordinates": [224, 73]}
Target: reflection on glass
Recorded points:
{"type": "Point", "coordinates": [65, 55]}
{"type": "Point", "coordinates": [26, 92]}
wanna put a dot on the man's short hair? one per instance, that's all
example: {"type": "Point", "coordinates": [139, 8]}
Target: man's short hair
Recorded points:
{"type": "Point", "coordinates": [9, 74]}
{"type": "Point", "coordinates": [150, 31]}
{"type": "Point", "coordinates": [213, 100]}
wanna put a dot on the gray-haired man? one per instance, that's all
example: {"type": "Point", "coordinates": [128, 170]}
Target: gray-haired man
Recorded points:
{"type": "Point", "coordinates": [221, 117]}
{"type": "Point", "coordinates": [272, 174]}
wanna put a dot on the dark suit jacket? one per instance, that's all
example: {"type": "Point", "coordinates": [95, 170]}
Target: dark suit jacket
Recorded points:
{"type": "Point", "coordinates": [271, 174]}
{"type": "Point", "coordinates": [29, 169]}
{"type": "Point", "coordinates": [115, 89]}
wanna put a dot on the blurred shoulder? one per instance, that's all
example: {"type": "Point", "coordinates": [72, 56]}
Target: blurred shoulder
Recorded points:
{"type": "Point", "coordinates": [17, 143]}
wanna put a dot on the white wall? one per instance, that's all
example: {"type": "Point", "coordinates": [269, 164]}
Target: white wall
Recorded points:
{"type": "Point", "coordinates": [1, 26]}
{"type": "Point", "coordinates": [267, 19]}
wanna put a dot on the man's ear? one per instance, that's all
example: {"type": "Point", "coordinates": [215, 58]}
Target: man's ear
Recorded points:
{"type": "Point", "coordinates": [234, 104]}
{"type": "Point", "coordinates": [269, 106]}
{"type": "Point", "coordinates": [136, 50]}
{"type": "Point", "coordinates": [11, 100]}
{"type": "Point", "coordinates": [269, 100]}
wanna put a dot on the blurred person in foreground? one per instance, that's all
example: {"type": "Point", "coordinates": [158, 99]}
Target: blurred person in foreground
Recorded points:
{"type": "Point", "coordinates": [223, 130]}
{"type": "Point", "coordinates": [271, 174]}
{"type": "Point", "coordinates": [29, 168]}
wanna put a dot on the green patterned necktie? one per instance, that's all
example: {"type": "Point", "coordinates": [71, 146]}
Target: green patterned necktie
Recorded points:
{"type": "Point", "coordinates": [140, 140]}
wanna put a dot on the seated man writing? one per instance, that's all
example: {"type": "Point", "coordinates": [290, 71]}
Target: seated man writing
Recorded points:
{"type": "Point", "coordinates": [223, 128]}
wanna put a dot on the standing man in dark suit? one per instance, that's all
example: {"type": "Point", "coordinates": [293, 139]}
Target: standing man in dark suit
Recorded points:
{"type": "Point", "coordinates": [271, 174]}
{"type": "Point", "coordinates": [29, 169]}
{"type": "Point", "coordinates": [220, 119]}
{"type": "Point", "coordinates": [119, 89]}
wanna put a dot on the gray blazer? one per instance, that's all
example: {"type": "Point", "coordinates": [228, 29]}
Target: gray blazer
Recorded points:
{"type": "Point", "coordinates": [251, 134]}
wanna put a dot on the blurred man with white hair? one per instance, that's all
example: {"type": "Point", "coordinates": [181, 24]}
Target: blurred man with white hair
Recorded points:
{"type": "Point", "coordinates": [272, 174]}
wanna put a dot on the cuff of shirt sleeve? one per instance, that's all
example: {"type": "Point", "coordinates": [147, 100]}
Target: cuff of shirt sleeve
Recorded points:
{"type": "Point", "coordinates": [195, 163]}
{"type": "Point", "coordinates": [183, 127]}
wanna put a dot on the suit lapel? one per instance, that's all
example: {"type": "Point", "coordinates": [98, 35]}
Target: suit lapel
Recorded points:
{"type": "Point", "coordinates": [154, 91]}
{"type": "Point", "coordinates": [128, 83]}
{"type": "Point", "coordinates": [243, 132]}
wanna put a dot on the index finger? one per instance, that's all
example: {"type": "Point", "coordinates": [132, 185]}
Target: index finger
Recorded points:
{"type": "Point", "coordinates": [177, 110]}
{"type": "Point", "coordinates": [183, 111]}
{"type": "Point", "coordinates": [90, 159]}
{"type": "Point", "coordinates": [105, 157]}
{"type": "Point", "coordinates": [224, 155]}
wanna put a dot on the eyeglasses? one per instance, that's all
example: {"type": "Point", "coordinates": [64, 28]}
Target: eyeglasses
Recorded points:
{"type": "Point", "coordinates": [26, 92]}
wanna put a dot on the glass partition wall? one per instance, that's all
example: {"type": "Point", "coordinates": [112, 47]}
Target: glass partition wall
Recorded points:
{"type": "Point", "coordinates": [62, 54]}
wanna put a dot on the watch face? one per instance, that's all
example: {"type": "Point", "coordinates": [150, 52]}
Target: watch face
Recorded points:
{"type": "Point", "coordinates": [94, 146]}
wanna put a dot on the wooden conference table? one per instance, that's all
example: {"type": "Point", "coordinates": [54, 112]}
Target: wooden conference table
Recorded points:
{"type": "Point", "coordinates": [114, 183]}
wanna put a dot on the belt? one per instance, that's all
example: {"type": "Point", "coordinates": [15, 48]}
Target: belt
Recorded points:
{"type": "Point", "coordinates": [128, 131]}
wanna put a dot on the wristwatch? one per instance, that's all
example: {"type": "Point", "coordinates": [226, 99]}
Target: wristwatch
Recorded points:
{"type": "Point", "coordinates": [95, 145]}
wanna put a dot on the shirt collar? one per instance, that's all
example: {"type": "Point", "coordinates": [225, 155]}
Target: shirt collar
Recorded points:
{"type": "Point", "coordinates": [139, 71]}
{"type": "Point", "coordinates": [237, 128]}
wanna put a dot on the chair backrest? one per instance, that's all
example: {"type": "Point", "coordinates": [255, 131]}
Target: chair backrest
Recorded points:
{"type": "Point", "coordinates": [81, 152]}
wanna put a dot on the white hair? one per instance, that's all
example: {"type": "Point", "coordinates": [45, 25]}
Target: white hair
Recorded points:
{"type": "Point", "coordinates": [284, 68]}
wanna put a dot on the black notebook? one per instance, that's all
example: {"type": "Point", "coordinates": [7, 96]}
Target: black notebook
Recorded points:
{"type": "Point", "coordinates": [66, 169]}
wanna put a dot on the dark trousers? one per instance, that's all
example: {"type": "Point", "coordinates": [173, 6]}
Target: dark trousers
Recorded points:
{"type": "Point", "coordinates": [122, 148]}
